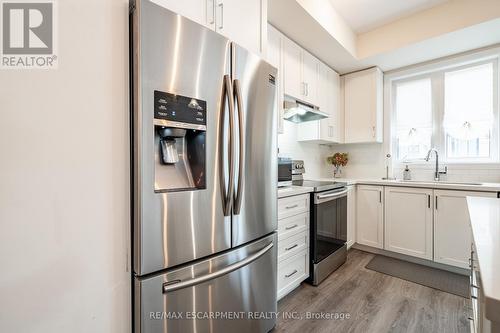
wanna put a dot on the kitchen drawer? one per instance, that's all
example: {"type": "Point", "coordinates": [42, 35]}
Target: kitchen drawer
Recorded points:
{"type": "Point", "coordinates": [292, 225]}
{"type": "Point", "coordinates": [293, 205]}
{"type": "Point", "coordinates": [292, 271]}
{"type": "Point", "coordinates": [292, 245]}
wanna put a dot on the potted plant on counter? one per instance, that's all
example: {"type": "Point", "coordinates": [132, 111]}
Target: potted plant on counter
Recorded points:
{"type": "Point", "coordinates": [338, 160]}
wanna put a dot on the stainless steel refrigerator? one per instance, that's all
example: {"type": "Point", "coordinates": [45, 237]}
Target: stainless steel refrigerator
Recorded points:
{"type": "Point", "coordinates": [204, 166]}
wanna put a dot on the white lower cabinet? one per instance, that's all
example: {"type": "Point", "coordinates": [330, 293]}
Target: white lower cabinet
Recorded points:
{"type": "Point", "coordinates": [452, 234]}
{"type": "Point", "coordinates": [351, 215]}
{"type": "Point", "coordinates": [293, 242]}
{"type": "Point", "coordinates": [408, 221]}
{"type": "Point", "coordinates": [419, 222]}
{"type": "Point", "coordinates": [370, 216]}
{"type": "Point", "coordinates": [291, 272]}
{"type": "Point", "coordinates": [294, 205]}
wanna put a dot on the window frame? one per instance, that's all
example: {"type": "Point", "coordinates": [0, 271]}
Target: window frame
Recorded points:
{"type": "Point", "coordinates": [436, 73]}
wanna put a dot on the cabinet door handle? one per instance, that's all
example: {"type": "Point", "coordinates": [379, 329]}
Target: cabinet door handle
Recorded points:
{"type": "Point", "coordinates": [292, 273]}
{"type": "Point", "coordinates": [221, 6]}
{"type": "Point", "coordinates": [380, 196]}
{"type": "Point", "coordinates": [211, 10]}
{"type": "Point", "coordinates": [436, 202]}
{"type": "Point", "coordinates": [292, 227]}
{"type": "Point", "coordinates": [428, 200]}
{"type": "Point", "coordinates": [291, 247]}
{"type": "Point", "coordinates": [292, 206]}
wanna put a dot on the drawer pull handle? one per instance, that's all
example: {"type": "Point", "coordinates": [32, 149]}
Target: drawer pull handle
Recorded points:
{"type": "Point", "coordinates": [473, 297]}
{"type": "Point", "coordinates": [474, 286]}
{"type": "Point", "coordinates": [292, 273]}
{"type": "Point", "coordinates": [292, 227]}
{"type": "Point", "coordinates": [292, 206]}
{"type": "Point", "coordinates": [293, 247]}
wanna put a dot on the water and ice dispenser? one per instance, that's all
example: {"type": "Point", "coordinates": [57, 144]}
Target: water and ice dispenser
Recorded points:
{"type": "Point", "coordinates": [180, 142]}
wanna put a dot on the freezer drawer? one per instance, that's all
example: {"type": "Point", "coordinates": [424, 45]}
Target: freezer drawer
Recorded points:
{"type": "Point", "coordinates": [227, 293]}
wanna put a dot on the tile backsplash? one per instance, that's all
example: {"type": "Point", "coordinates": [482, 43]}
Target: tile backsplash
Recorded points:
{"type": "Point", "coordinates": [489, 173]}
{"type": "Point", "coordinates": [313, 154]}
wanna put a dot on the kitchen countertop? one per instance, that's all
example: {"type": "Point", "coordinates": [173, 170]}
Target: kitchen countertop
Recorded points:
{"type": "Point", "coordinates": [485, 222]}
{"type": "Point", "coordinates": [289, 191]}
{"type": "Point", "coordinates": [484, 187]}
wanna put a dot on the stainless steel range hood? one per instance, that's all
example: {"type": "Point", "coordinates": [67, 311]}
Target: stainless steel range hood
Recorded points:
{"type": "Point", "coordinates": [298, 112]}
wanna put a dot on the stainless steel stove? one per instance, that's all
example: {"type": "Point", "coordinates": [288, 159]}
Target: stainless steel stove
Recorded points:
{"type": "Point", "coordinates": [328, 229]}
{"type": "Point", "coordinates": [319, 185]}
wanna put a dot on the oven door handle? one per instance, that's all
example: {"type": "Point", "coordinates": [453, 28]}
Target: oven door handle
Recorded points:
{"type": "Point", "coordinates": [331, 196]}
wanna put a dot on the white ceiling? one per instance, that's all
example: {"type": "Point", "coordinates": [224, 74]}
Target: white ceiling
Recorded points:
{"type": "Point", "coordinates": [365, 15]}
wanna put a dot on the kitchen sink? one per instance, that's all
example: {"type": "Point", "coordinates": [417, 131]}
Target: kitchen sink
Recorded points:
{"type": "Point", "coordinates": [439, 182]}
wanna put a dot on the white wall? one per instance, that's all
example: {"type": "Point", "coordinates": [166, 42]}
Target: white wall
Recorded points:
{"type": "Point", "coordinates": [324, 12]}
{"type": "Point", "coordinates": [446, 18]}
{"type": "Point", "coordinates": [365, 160]}
{"type": "Point", "coordinates": [313, 154]}
{"type": "Point", "coordinates": [64, 175]}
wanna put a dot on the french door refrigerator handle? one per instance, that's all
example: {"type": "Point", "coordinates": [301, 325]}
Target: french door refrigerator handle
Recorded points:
{"type": "Point", "coordinates": [227, 93]}
{"type": "Point", "coordinates": [241, 158]}
{"type": "Point", "coordinates": [177, 284]}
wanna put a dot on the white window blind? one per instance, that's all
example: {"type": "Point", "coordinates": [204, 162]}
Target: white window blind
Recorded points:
{"type": "Point", "coordinates": [468, 111]}
{"type": "Point", "coordinates": [454, 110]}
{"type": "Point", "coordinates": [414, 118]}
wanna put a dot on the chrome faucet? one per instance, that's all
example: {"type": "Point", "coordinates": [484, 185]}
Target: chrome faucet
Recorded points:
{"type": "Point", "coordinates": [437, 173]}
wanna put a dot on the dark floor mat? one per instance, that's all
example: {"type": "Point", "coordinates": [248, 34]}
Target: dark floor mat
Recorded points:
{"type": "Point", "coordinates": [449, 282]}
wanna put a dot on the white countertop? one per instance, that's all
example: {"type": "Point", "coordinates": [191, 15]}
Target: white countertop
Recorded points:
{"type": "Point", "coordinates": [289, 191]}
{"type": "Point", "coordinates": [484, 187]}
{"type": "Point", "coordinates": [485, 222]}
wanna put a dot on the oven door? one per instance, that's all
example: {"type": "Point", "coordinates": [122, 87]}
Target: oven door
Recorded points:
{"type": "Point", "coordinates": [329, 223]}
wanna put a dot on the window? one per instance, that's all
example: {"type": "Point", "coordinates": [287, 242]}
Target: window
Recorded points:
{"type": "Point", "coordinates": [414, 118]}
{"type": "Point", "coordinates": [468, 112]}
{"type": "Point", "coordinates": [453, 110]}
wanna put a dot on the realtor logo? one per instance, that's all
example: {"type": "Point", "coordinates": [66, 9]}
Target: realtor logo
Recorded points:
{"type": "Point", "coordinates": [28, 34]}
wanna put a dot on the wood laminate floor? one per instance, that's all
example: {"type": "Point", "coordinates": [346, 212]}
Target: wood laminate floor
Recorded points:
{"type": "Point", "coordinates": [374, 301]}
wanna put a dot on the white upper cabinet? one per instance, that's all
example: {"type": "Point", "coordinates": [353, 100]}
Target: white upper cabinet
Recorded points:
{"type": "Point", "coordinates": [408, 221]}
{"type": "Point", "coordinates": [300, 73]}
{"type": "Point", "coordinates": [370, 216]}
{"type": "Point", "coordinates": [335, 124]}
{"type": "Point", "coordinates": [328, 96]}
{"type": "Point", "coordinates": [363, 106]}
{"type": "Point", "coordinates": [244, 22]}
{"type": "Point", "coordinates": [292, 69]}
{"type": "Point", "coordinates": [310, 77]}
{"type": "Point", "coordinates": [452, 233]}
{"type": "Point", "coordinates": [275, 58]}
